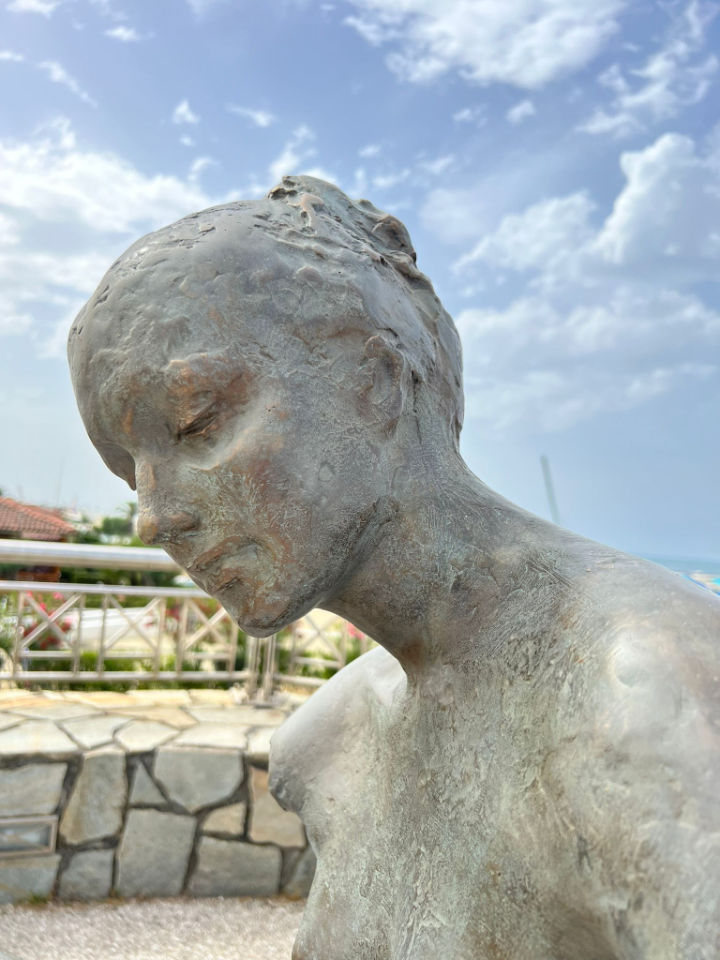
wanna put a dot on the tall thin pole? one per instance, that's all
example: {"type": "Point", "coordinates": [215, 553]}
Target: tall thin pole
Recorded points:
{"type": "Point", "coordinates": [549, 490]}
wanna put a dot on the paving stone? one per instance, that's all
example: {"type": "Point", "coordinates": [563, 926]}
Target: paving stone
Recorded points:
{"type": "Point", "coordinates": [52, 710]}
{"type": "Point", "coordinates": [162, 696]}
{"type": "Point", "coordinates": [198, 778]}
{"type": "Point", "coordinates": [299, 873]}
{"type": "Point", "coordinates": [36, 736]}
{"type": "Point", "coordinates": [9, 720]}
{"type": "Point", "coordinates": [269, 823]}
{"type": "Point", "coordinates": [248, 715]}
{"type": "Point", "coordinates": [227, 868]}
{"type": "Point", "coordinates": [258, 748]}
{"type": "Point", "coordinates": [97, 801]}
{"type": "Point", "coordinates": [32, 789]}
{"type": "Point", "coordinates": [208, 695]}
{"type": "Point", "coordinates": [27, 877]}
{"type": "Point", "coordinates": [173, 716]}
{"type": "Point", "coordinates": [88, 876]}
{"type": "Point", "coordinates": [230, 820]}
{"type": "Point", "coordinates": [144, 791]}
{"type": "Point", "coordinates": [153, 854]}
{"type": "Point", "coordinates": [139, 736]}
{"type": "Point", "coordinates": [106, 699]}
{"type": "Point", "coordinates": [91, 732]}
{"type": "Point", "coordinates": [214, 735]}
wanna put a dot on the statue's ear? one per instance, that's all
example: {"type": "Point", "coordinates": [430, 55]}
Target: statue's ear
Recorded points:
{"type": "Point", "coordinates": [384, 382]}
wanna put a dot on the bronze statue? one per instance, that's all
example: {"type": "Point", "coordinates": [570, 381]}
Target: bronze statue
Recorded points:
{"type": "Point", "coordinates": [530, 768]}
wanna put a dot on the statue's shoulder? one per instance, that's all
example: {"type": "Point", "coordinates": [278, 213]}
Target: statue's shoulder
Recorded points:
{"type": "Point", "coordinates": [655, 685]}
{"type": "Point", "coordinates": [332, 725]}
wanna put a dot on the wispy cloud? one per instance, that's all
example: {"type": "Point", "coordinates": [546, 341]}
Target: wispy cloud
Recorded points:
{"type": "Point", "coordinates": [370, 150]}
{"type": "Point", "coordinates": [198, 166]}
{"type": "Point", "coordinates": [598, 316]}
{"type": "Point", "coordinates": [44, 7]}
{"type": "Point", "coordinates": [11, 56]}
{"type": "Point", "coordinates": [521, 111]}
{"type": "Point", "coordinates": [676, 76]}
{"type": "Point", "coordinates": [525, 44]}
{"type": "Point", "coordinates": [123, 34]}
{"type": "Point", "coordinates": [261, 118]}
{"type": "Point", "coordinates": [184, 114]}
{"type": "Point", "coordinates": [58, 74]}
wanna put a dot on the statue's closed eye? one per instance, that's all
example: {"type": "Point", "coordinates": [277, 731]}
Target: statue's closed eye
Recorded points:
{"type": "Point", "coordinates": [199, 425]}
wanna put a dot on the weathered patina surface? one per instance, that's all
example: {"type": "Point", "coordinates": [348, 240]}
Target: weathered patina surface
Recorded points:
{"type": "Point", "coordinates": [529, 769]}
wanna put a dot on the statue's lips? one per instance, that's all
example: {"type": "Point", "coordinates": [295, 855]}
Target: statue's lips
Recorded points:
{"type": "Point", "coordinates": [223, 565]}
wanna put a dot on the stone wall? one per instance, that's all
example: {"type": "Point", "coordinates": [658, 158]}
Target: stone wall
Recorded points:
{"type": "Point", "coordinates": [137, 818]}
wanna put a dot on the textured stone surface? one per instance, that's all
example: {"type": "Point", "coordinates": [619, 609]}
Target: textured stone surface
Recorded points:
{"type": "Point", "coordinates": [153, 854]}
{"type": "Point", "coordinates": [197, 778]}
{"type": "Point", "coordinates": [36, 736]}
{"type": "Point", "coordinates": [96, 803]}
{"type": "Point", "coordinates": [144, 791]}
{"type": "Point", "coordinates": [93, 731]}
{"type": "Point", "coordinates": [27, 877]}
{"type": "Point", "coordinates": [139, 736]}
{"type": "Point", "coordinates": [88, 876]}
{"type": "Point", "coordinates": [258, 747]}
{"type": "Point", "coordinates": [9, 720]}
{"type": "Point", "coordinates": [172, 716]}
{"type": "Point", "coordinates": [31, 789]}
{"type": "Point", "coordinates": [269, 823]}
{"type": "Point", "coordinates": [214, 735]}
{"type": "Point", "coordinates": [229, 869]}
{"type": "Point", "coordinates": [298, 877]}
{"type": "Point", "coordinates": [57, 711]}
{"type": "Point", "coordinates": [230, 820]}
{"type": "Point", "coordinates": [247, 714]}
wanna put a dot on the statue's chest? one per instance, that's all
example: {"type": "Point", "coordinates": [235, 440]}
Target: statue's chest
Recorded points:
{"type": "Point", "coordinates": [418, 846]}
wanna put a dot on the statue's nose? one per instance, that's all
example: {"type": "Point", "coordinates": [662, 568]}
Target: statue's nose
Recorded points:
{"type": "Point", "coordinates": [156, 528]}
{"type": "Point", "coordinates": [160, 520]}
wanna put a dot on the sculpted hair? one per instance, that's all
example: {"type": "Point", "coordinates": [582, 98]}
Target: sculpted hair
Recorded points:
{"type": "Point", "coordinates": [341, 244]}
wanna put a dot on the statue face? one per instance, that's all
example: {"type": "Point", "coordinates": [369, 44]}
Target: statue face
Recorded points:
{"type": "Point", "coordinates": [260, 476]}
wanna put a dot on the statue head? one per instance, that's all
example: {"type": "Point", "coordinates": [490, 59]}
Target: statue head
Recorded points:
{"type": "Point", "coordinates": [260, 372]}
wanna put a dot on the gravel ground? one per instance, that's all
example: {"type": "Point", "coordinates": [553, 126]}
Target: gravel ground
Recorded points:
{"type": "Point", "coordinates": [212, 929]}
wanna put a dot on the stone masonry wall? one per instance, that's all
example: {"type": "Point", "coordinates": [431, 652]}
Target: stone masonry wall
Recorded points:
{"type": "Point", "coordinates": [142, 809]}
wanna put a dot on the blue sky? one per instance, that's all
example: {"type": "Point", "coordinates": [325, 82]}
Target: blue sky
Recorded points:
{"type": "Point", "coordinates": [557, 163]}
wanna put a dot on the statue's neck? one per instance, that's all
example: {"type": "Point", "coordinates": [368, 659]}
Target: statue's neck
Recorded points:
{"type": "Point", "coordinates": [439, 566]}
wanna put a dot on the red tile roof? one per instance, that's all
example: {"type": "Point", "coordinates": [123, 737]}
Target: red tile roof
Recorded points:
{"type": "Point", "coordinates": [27, 522]}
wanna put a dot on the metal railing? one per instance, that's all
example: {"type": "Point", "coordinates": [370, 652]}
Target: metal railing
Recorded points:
{"type": "Point", "coordinates": [67, 633]}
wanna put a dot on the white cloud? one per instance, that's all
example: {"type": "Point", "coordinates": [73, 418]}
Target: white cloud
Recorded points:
{"type": "Point", "coordinates": [184, 114]}
{"type": "Point", "coordinates": [295, 153]}
{"type": "Point", "coordinates": [261, 118]}
{"type": "Point", "coordinates": [45, 7]}
{"type": "Point", "coordinates": [369, 150]}
{"type": "Point", "coordinates": [674, 77]}
{"type": "Point", "coordinates": [476, 115]}
{"type": "Point", "coordinates": [187, 141]}
{"type": "Point", "coordinates": [537, 238]}
{"type": "Point", "coordinates": [525, 44]}
{"type": "Point", "coordinates": [599, 314]}
{"type": "Point", "coordinates": [199, 165]}
{"type": "Point", "coordinates": [201, 7]}
{"type": "Point", "coordinates": [11, 56]}
{"type": "Point", "coordinates": [50, 178]}
{"type": "Point", "coordinates": [58, 74]}
{"type": "Point", "coordinates": [384, 181]}
{"type": "Point", "coordinates": [438, 165]}
{"type": "Point", "coordinates": [123, 34]}
{"type": "Point", "coordinates": [668, 212]}
{"type": "Point", "coordinates": [521, 111]}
